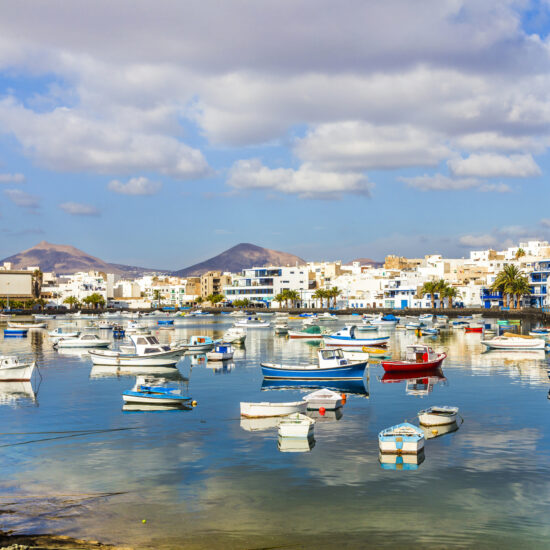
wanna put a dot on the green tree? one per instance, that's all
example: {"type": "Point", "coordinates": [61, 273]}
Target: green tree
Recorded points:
{"type": "Point", "coordinates": [279, 298]}
{"type": "Point", "coordinates": [157, 297]}
{"type": "Point", "coordinates": [451, 293]}
{"type": "Point", "coordinates": [519, 288]}
{"type": "Point", "coordinates": [520, 253]}
{"type": "Point", "coordinates": [431, 288]}
{"type": "Point", "coordinates": [505, 282]}
{"type": "Point", "coordinates": [37, 278]}
{"type": "Point", "coordinates": [293, 296]}
{"type": "Point", "coordinates": [319, 294]}
{"type": "Point", "coordinates": [72, 301]}
{"type": "Point", "coordinates": [333, 293]}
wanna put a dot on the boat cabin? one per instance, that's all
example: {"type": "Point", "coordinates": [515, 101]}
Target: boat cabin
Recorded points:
{"type": "Point", "coordinates": [147, 344]}
{"type": "Point", "coordinates": [331, 356]}
{"type": "Point", "coordinates": [419, 353]}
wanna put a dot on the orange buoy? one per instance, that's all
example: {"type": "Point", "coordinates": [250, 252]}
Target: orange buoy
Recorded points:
{"type": "Point", "coordinates": [322, 411]}
{"type": "Point", "coordinates": [344, 398]}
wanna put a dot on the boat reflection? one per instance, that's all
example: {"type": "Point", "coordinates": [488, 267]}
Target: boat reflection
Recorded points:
{"type": "Point", "coordinates": [220, 367]}
{"type": "Point", "coordinates": [16, 393]}
{"type": "Point", "coordinates": [197, 359]}
{"type": "Point", "coordinates": [80, 353]}
{"type": "Point", "coordinates": [419, 383]}
{"type": "Point", "coordinates": [329, 415]}
{"type": "Point", "coordinates": [105, 371]}
{"type": "Point", "coordinates": [260, 424]}
{"type": "Point", "coordinates": [296, 444]}
{"type": "Point", "coordinates": [401, 462]}
{"type": "Point", "coordinates": [431, 432]}
{"type": "Point", "coordinates": [356, 387]}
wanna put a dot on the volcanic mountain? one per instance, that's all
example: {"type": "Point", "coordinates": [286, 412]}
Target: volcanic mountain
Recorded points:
{"type": "Point", "coordinates": [241, 256]}
{"type": "Point", "coordinates": [65, 259]}
{"type": "Point", "coordinates": [367, 261]}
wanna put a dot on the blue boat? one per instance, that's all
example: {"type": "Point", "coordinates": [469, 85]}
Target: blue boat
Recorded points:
{"type": "Point", "coordinates": [402, 438]}
{"type": "Point", "coordinates": [165, 322]}
{"type": "Point", "coordinates": [21, 332]}
{"type": "Point", "coordinates": [332, 366]}
{"type": "Point", "coordinates": [144, 392]}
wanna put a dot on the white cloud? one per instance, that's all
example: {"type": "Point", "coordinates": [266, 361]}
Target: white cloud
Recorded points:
{"type": "Point", "coordinates": [12, 178]}
{"type": "Point", "coordinates": [494, 141]}
{"type": "Point", "coordinates": [306, 182]}
{"type": "Point", "coordinates": [67, 140]}
{"type": "Point", "coordinates": [495, 188]}
{"type": "Point", "coordinates": [23, 199]}
{"type": "Point", "coordinates": [135, 186]}
{"type": "Point", "coordinates": [487, 165]}
{"type": "Point", "coordinates": [79, 209]}
{"type": "Point", "coordinates": [361, 146]}
{"type": "Point", "coordinates": [545, 222]}
{"type": "Point", "coordinates": [478, 241]}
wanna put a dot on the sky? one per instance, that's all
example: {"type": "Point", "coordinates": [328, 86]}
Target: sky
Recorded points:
{"type": "Point", "coordinates": [159, 134]}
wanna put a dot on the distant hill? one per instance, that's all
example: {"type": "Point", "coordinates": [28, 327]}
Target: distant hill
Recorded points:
{"type": "Point", "coordinates": [242, 256]}
{"type": "Point", "coordinates": [65, 259]}
{"type": "Point", "coordinates": [367, 261]}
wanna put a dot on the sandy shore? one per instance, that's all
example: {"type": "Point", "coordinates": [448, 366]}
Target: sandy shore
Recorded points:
{"type": "Point", "coordinates": [52, 542]}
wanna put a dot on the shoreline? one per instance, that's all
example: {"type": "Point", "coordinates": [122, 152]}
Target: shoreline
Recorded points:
{"type": "Point", "coordinates": [52, 542]}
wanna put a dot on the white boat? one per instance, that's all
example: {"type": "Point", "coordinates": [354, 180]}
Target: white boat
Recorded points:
{"type": "Point", "coordinates": [295, 444]}
{"type": "Point", "coordinates": [145, 351]}
{"type": "Point", "coordinates": [13, 370]}
{"type": "Point", "coordinates": [221, 352]}
{"type": "Point", "coordinates": [234, 335]}
{"type": "Point", "coordinates": [324, 398]}
{"type": "Point", "coordinates": [85, 340]}
{"type": "Point", "coordinates": [366, 327]}
{"type": "Point", "coordinates": [383, 321]}
{"type": "Point", "coordinates": [296, 425]}
{"type": "Point", "coordinates": [61, 333]}
{"type": "Point", "coordinates": [511, 341]}
{"type": "Point", "coordinates": [354, 355]}
{"type": "Point", "coordinates": [403, 438]}
{"type": "Point", "coordinates": [438, 416]}
{"type": "Point", "coordinates": [268, 409]}
{"type": "Point", "coordinates": [105, 325]}
{"type": "Point", "coordinates": [42, 317]}
{"type": "Point", "coordinates": [346, 337]}
{"type": "Point", "coordinates": [252, 322]}
{"type": "Point", "coordinates": [281, 328]}
{"type": "Point", "coordinates": [28, 326]}
{"type": "Point", "coordinates": [326, 316]}
{"type": "Point", "coordinates": [431, 432]}
{"type": "Point", "coordinates": [200, 343]}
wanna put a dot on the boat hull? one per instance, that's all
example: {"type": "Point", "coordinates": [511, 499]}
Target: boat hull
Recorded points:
{"type": "Point", "coordinates": [537, 344]}
{"type": "Point", "coordinates": [17, 373]}
{"type": "Point", "coordinates": [136, 360]}
{"type": "Point", "coordinates": [352, 371]}
{"type": "Point", "coordinates": [355, 342]}
{"type": "Point", "coordinates": [304, 336]}
{"type": "Point", "coordinates": [215, 356]}
{"type": "Point", "coordinates": [400, 366]}
{"type": "Point", "coordinates": [298, 430]}
{"type": "Point", "coordinates": [134, 397]}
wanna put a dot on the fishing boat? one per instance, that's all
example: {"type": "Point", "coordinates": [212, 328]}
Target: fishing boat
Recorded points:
{"type": "Point", "coordinates": [539, 332]}
{"type": "Point", "coordinates": [512, 341]}
{"type": "Point", "coordinates": [430, 331]}
{"type": "Point", "coordinates": [149, 391]}
{"type": "Point", "coordinates": [402, 438]}
{"type": "Point", "coordinates": [366, 327]}
{"type": "Point", "coordinates": [28, 326]}
{"type": "Point", "coordinates": [426, 317]}
{"type": "Point", "coordinates": [145, 351]}
{"type": "Point", "coordinates": [347, 337]}
{"type": "Point", "coordinates": [473, 328]}
{"type": "Point", "coordinates": [384, 321]}
{"type": "Point", "coordinates": [281, 328]}
{"type": "Point", "coordinates": [417, 357]}
{"type": "Point", "coordinates": [252, 322]}
{"type": "Point", "coordinates": [221, 352]}
{"type": "Point", "coordinates": [200, 343]}
{"type": "Point", "coordinates": [13, 370]}
{"type": "Point", "coordinates": [82, 341]}
{"type": "Point", "coordinates": [332, 366]}
{"type": "Point", "coordinates": [438, 416]}
{"type": "Point", "coordinates": [414, 325]}
{"type": "Point", "coordinates": [234, 335]}
{"type": "Point", "coordinates": [312, 332]}
{"type": "Point", "coordinates": [296, 425]}
{"type": "Point", "coordinates": [62, 333]}
{"type": "Point", "coordinates": [324, 399]}
{"type": "Point", "coordinates": [268, 409]}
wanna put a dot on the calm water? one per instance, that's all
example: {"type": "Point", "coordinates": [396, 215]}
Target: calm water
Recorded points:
{"type": "Point", "coordinates": [202, 480]}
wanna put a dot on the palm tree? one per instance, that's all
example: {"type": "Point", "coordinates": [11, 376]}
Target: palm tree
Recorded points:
{"type": "Point", "coordinates": [216, 299]}
{"type": "Point", "coordinates": [319, 294]}
{"type": "Point", "coordinates": [519, 288]}
{"type": "Point", "coordinates": [72, 301]}
{"type": "Point", "coordinates": [333, 293]}
{"type": "Point", "coordinates": [431, 288]}
{"type": "Point", "coordinates": [293, 296]}
{"type": "Point", "coordinates": [504, 282]}
{"type": "Point", "coordinates": [520, 253]}
{"type": "Point", "coordinates": [279, 298]}
{"type": "Point", "coordinates": [449, 292]}
{"type": "Point", "coordinates": [157, 297]}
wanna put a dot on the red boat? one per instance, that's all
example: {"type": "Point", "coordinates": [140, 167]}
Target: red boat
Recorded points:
{"type": "Point", "coordinates": [473, 329]}
{"type": "Point", "coordinates": [418, 357]}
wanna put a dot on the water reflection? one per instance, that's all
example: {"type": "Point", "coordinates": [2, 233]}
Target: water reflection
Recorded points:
{"type": "Point", "coordinates": [401, 462]}
{"type": "Point", "coordinates": [356, 387]}
{"type": "Point", "coordinates": [17, 393]}
{"type": "Point", "coordinates": [295, 444]}
{"type": "Point", "coordinates": [418, 383]}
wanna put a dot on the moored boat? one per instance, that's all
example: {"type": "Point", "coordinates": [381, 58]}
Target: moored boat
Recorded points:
{"type": "Point", "coordinates": [511, 341]}
{"type": "Point", "coordinates": [402, 438]}
{"type": "Point", "coordinates": [13, 370]}
{"type": "Point", "coordinates": [312, 332]}
{"type": "Point", "coordinates": [332, 366]}
{"type": "Point", "coordinates": [15, 332]}
{"type": "Point", "coordinates": [438, 416]}
{"type": "Point", "coordinates": [234, 335]}
{"type": "Point", "coordinates": [326, 399]}
{"type": "Point", "coordinates": [200, 343]}
{"type": "Point", "coordinates": [28, 326]}
{"type": "Point", "coordinates": [221, 352]}
{"type": "Point", "coordinates": [347, 337]}
{"type": "Point", "coordinates": [296, 425]}
{"type": "Point", "coordinates": [150, 392]}
{"type": "Point", "coordinates": [252, 322]}
{"type": "Point", "coordinates": [82, 341]}
{"type": "Point", "coordinates": [417, 357]}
